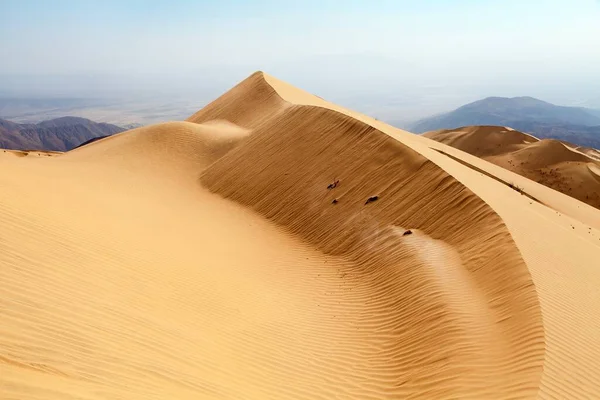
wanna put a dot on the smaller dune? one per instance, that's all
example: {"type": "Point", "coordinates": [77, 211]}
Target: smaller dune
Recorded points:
{"type": "Point", "coordinates": [180, 148]}
{"type": "Point", "coordinates": [559, 165]}
{"type": "Point", "coordinates": [483, 141]}
{"type": "Point", "coordinates": [588, 151]}
{"type": "Point", "coordinates": [541, 154]}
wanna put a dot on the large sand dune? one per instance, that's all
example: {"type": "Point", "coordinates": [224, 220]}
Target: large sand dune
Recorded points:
{"type": "Point", "coordinates": [559, 165]}
{"type": "Point", "coordinates": [209, 259]}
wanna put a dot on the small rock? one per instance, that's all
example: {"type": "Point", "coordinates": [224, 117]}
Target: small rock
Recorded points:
{"type": "Point", "coordinates": [372, 199]}
{"type": "Point", "coordinates": [334, 184]}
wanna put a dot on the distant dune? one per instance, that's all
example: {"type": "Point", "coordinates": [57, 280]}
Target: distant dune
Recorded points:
{"type": "Point", "coordinates": [278, 246]}
{"type": "Point", "coordinates": [562, 166]}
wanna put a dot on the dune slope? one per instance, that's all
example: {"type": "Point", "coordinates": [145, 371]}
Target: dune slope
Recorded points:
{"type": "Point", "coordinates": [558, 237]}
{"type": "Point", "coordinates": [457, 246]}
{"type": "Point", "coordinates": [278, 246]}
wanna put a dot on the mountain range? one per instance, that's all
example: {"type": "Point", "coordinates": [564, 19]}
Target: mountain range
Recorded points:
{"type": "Point", "coordinates": [60, 134]}
{"type": "Point", "coordinates": [544, 120]}
{"type": "Point", "coordinates": [577, 125]}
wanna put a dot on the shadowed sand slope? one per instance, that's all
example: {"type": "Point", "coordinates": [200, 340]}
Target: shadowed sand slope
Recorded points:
{"type": "Point", "coordinates": [453, 299]}
{"type": "Point", "coordinates": [237, 255]}
{"type": "Point", "coordinates": [559, 165]}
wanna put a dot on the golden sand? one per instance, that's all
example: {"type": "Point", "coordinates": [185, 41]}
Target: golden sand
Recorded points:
{"type": "Point", "coordinates": [235, 256]}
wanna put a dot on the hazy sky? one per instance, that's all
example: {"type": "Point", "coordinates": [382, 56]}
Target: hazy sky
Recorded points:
{"type": "Point", "coordinates": [346, 49]}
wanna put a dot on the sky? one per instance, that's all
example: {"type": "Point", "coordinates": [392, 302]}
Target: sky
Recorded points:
{"type": "Point", "coordinates": [368, 54]}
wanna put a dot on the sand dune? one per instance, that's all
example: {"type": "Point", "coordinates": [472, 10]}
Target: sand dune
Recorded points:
{"type": "Point", "coordinates": [180, 149]}
{"type": "Point", "coordinates": [278, 246]}
{"type": "Point", "coordinates": [559, 165]}
{"type": "Point", "coordinates": [483, 141]}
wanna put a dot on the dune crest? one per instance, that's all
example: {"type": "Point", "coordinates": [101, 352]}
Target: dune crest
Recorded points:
{"type": "Point", "coordinates": [248, 104]}
{"type": "Point", "coordinates": [314, 147]}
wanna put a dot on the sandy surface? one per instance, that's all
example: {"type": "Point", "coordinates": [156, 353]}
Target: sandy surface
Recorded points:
{"type": "Point", "coordinates": [209, 259]}
{"type": "Point", "coordinates": [559, 165]}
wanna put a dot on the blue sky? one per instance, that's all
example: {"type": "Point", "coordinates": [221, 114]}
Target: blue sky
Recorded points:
{"type": "Point", "coordinates": [327, 44]}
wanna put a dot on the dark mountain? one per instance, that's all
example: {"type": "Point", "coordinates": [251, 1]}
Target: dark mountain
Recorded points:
{"type": "Point", "coordinates": [544, 120]}
{"type": "Point", "coordinates": [61, 134]}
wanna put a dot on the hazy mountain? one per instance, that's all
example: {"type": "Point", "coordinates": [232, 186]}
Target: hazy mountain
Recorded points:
{"type": "Point", "coordinates": [545, 120]}
{"type": "Point", "coordinates": [129, 112]}
{"type": "Point", "coordinates": [132, 125]}
{"type": "Point", "coordinates": [507, 111]}
{"type": "Point", "coordinates": [593, 112]}
{"type": "Point", "coordinates": [61, 134]}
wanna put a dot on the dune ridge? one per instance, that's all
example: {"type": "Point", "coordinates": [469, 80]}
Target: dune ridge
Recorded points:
{"type": "Point", "coordinates": [367, 162]}
{"type": "Point", "coordinates": [209, 259]}
{"type": "Point", "coordinates": [561, 264]}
